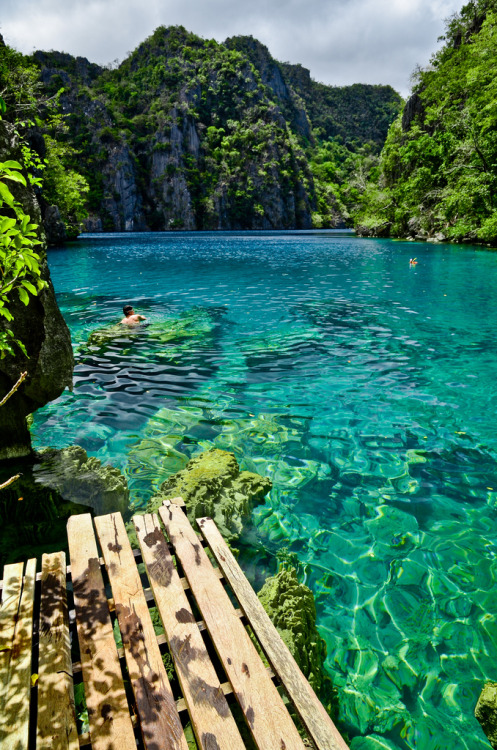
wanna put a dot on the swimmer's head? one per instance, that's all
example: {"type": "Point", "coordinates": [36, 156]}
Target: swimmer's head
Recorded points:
{"type": "Point", "coordinates": [127, 309]}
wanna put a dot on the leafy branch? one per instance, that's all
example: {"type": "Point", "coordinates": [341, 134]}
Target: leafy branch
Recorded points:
{"type": "Point", "coordinates": [19, 263]}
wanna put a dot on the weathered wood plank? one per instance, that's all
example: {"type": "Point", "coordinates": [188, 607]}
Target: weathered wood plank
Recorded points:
{"type": "Point", "coordinates": [313, 715]}
{"type": "Point", "coordinates": [16, 623]}
{"type": "Point", "coordinates": [159, 719]}
{"type": "Point", "coordinates": [208, 708]}
{"type": "Point", "coordinates": [108, 713]}
{"type": "Point", "coordinates": [266, 715]}
{"type": "Point", "coordinates": [56, 723]}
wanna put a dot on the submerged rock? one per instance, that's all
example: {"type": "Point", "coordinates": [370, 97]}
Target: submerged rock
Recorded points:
{"type": "Point", "coordinates": [292, 609]}
{"type": "Point", "coordinates": [33, 516]}
{"type": "Point", "coordinates": [486, 711]}
{"type": "Point", "coordinates": [83, 479]}
{"type": "Point", "coordinates": [212, 484]}
{"type": "Point", "coordinates": [106, 334]}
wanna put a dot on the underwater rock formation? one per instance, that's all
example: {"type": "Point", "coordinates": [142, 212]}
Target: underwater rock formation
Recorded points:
{"type": "Point", "coordinates": [196, 323]}
{"type": "Point", "coordinates": [33, 517]}
{"type": "Point", "coordinates": [486, 712]}
{"type": "Point", "coordinates": [212, 484]}
{"type": "Point", "coordinates": [82, 479]}
{"type": "Point", "coordinates": [43, 331]}
{"type": "Point", "coordinates": [291, 607]}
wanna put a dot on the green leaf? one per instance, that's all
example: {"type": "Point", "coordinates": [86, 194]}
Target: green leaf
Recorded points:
{"type": "Point", "coordinates": [23, 296]}
{"type": "Point", "coordinates": [30, 287]}
{"type": "Point", "coordinates": [10, 164]}
{"type": "Point", "coordinates": [15, 177]}
{"type": "Point", "coordinates": [6, 223]}
{"type": "Point", "coordinates": [6, 195]}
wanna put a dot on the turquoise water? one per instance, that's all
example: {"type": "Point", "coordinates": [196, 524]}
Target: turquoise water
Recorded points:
{"type": "Point", "coordinates": [365, 389]}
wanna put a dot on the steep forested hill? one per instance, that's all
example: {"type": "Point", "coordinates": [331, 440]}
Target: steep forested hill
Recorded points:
{"type": "Point", "coordinates": [190, 134]}
{"type": "Point", "coordinates": [438, 171]}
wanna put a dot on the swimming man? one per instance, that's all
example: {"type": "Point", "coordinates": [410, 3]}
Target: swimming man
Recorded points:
{"type": "Point", "coordinates": [130, 317]}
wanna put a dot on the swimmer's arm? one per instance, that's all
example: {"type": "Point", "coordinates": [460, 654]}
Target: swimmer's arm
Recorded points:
{"type": "Point", "coordinates": [141, 317]}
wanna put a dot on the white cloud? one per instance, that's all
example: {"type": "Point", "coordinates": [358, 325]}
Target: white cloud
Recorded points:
{"type": "Point", "coordinates": [340, 41]}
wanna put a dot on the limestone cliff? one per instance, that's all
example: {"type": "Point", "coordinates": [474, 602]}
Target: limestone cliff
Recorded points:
{"type": "Point", "coordinates": [190, 134]}
{"type": "Point", "coordinates": [42, 329]}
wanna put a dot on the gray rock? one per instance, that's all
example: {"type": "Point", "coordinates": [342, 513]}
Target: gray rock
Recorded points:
{"type": "Point", "coordinates": [55, 229]}
{"type": "Point", "coordinates": [413, 109]}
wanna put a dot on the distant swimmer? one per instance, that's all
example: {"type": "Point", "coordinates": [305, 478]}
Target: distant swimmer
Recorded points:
{"type": "Point", "coordinates": [130, 317]}
{"type": "Point", "coordinates": [413, 262]}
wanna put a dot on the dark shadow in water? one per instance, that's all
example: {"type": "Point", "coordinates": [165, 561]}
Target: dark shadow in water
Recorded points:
{"type": "Point", "coordinates": [33, 517]}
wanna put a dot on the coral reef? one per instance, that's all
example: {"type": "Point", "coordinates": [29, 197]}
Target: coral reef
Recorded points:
{"type": "Point", "coordinates": [212, 484]}
{"type": "Point", "coordinates": [82, 479]}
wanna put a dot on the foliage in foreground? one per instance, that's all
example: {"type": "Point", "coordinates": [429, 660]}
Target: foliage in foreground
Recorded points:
{"type": "Point", "coordinates": [438, 168]}
{"type": "Point", "coordinates": [19, 261]}
{"type": "Point", "coordinates": [50, 161]}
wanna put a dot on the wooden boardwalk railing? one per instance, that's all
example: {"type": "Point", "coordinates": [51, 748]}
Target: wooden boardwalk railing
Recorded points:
{"type": "Point", "coordinates": [129, 697]}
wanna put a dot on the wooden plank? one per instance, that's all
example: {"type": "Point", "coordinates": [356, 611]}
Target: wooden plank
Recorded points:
{"type": "Point", "coordinates": [211, 717]}
{"type": "Point", "coordinates": [159, 719]}
{"type": "Point", "coordinates": [108, 713]}
{"type": "Point", "coordinates": [309, 707]}
{"type": "Point", "coordinates": [161, 639]}
{"type": "Point", "coordinates": [266, 715]}
{"type": "Point", "coordinates": [56, 723]}
{"type": "Point", "coordinates": [16, 643]}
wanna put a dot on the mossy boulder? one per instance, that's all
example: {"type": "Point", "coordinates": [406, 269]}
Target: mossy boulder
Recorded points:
{"type": "Point", "coordinates": [212, 484]}
{"type": "Point", "coordinates": [82, 479]}
{"type": "Point", "coordinates": [486, 712]}
{"type": "Point", "coordinates": [291, 607]}
{"type": "Point", "coordinates": [107, 334]}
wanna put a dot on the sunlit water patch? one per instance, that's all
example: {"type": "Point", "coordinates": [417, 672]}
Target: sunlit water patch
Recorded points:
{"type": "Point", "coordinates": [365, 389]}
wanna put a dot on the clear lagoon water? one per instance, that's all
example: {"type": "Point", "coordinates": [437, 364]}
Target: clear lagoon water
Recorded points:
{"type": "Point", "coordinates": [365, 389]}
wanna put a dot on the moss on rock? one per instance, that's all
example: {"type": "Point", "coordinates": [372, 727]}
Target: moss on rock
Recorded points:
{"type": "Point", "coordinates": [291, 607]}
{"type": "Point", "coordinates": [486, 712]}
{"type": "Point", "coordinates": [212, 484]}
{"type": "Point", "coordinates": [83, 479]}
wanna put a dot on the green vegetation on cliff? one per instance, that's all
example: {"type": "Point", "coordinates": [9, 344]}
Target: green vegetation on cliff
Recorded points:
{"type": "Point", "coordinates": [187, 133]}
{"type": "Point", "coordinates": [438, 170]}
{"type": "Point", "coordinates": [49, 162]}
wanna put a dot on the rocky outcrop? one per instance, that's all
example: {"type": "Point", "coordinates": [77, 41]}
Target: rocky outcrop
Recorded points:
{"type": "Point", "coordinates": [81, 479]}
{"type": "Point", "coordinates": [413, 110]}
{"type": "Point", "coordinates": [190, 134]}
{"type": "Point", "coordinates": [486, 712]}
{"type": "Point", "coordinates": [291, 105]}
{"type": "Point", "coordinates": [55, 229]}
{"type": "Point", "coordinates": [291, 607]}
{"type": "Point", "coordinates": [123, 203]}
{"type": "Point", "coordinates": [212, 485]}
{"type": "Point", "coordinates": [42, 329]}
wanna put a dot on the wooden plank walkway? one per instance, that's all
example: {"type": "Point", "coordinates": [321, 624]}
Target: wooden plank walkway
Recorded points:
{"type": "Point", "coordinates": [65, 626]}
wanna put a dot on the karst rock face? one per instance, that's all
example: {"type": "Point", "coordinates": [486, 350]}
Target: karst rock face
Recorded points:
{"type": "Point", "coordinates": [44, 333]}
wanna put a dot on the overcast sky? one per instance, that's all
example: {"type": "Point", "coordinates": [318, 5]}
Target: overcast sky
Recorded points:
{"type": "Point", "coordinates": [340, 41]}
